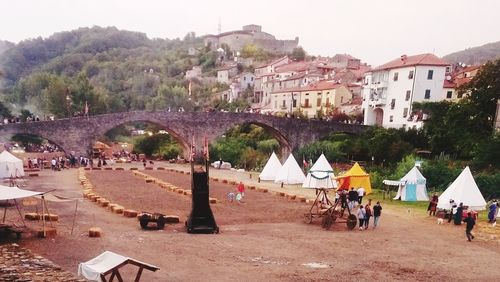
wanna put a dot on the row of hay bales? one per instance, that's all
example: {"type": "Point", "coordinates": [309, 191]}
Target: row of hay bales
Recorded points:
{"type": "Point", "coordinates": [285, 195]}
{"type": "Point", "coordinates": [122, 168]}
{"type": "Point", "coordinates": [90, 194]}
{"type": "Point", "coordinates": [167, 186]}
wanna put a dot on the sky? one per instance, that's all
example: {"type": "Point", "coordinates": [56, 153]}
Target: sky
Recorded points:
{"type": "Point", "coordinates": [376, 31]}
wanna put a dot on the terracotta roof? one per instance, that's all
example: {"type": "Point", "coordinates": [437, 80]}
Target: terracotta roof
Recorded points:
{"type": "Point", "coordinates": [449, 84]}
{"type": "Point", "coordinates": [355, 101]}
{"type": "Point", "coordinates": [295, 66]}
{"type": "Point", "coordinates": [320, 85]}
{"type": "Point", "coordinates": [417, 60]}
{"type": "Point", "coordinates": [226, 67]}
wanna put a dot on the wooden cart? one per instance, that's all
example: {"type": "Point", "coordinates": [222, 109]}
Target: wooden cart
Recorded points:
{"type": "Point", "coordinates": [329, 212]}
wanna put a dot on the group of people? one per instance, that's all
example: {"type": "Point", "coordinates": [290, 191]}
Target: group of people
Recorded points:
{"type": "Point", "coordinates": [354, 199]}
{"type": "Point", "coordinates": [238, 195]}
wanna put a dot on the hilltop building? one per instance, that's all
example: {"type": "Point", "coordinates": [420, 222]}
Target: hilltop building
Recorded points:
{"type": "Point", "coordinates": [250, 34]}
{"type": "Point", "coordinates": [390, 90]}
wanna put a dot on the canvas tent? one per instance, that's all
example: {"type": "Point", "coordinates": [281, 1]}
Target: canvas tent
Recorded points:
{"type": "Point", "coordinates": [355, 177]}
{"type": "Point", "coordinates": [108, 262]}
{"type": "Point", "coordinates": [463, 190]}
{"type": "Point", "coordinates": [412, 187]}
{"type": "Point", "coordinates": [271, 168]}
{"type": "Point", "coordinates": [290, 172]}
{"type": "Point", "coordinates": [320, 175]}
{"type": "Point", "coordinates": [10, 166]}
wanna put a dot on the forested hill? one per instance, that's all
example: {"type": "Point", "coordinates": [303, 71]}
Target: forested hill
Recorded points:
{"type": "Point", "coordinates": [476, 55]}
{"type": "Point", "coordinates": [115, 69]}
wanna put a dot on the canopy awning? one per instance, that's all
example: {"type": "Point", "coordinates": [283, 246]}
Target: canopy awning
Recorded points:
{"type": "Point", "coordinates": [393, 182]}
{"type": "Point", "coordinates": [11, 193]}
{"type": "Point", "coordinates": [109, 262]}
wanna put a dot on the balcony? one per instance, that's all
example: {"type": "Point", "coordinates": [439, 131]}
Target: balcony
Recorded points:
{"type": "Point", "coordinates": [377, 102]}
{"type": "Point", "coordinates": [378, 85]}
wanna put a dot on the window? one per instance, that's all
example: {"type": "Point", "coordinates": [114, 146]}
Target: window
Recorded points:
{"type": "Point", "coordinates": [284, 104]}
{"type": "Point", "coordinates": [410, 75]}
{"type": "Point", "coordinates": [318, 102]}
{"type": "Point", "coordinates": [408, 95]}
{"type": "Point", "coordinates": [294, 103]}
{"type": "Point", "coordinates": [327, 101]}
{"type": "Point", "coordinates": [393, 104]}
{"type": "Point", "coordinates": [448, 94]}
{"type": "Point", "coordinates": [460, 95]}
{"type": "Point", "coordinates": [306, 103]}
{"type": "Point", "coordinates": [391, 118]}
{"type": "Point", "coordinates": [396, 76]}
{"type": "Point", "coordinates": [430, 74]}
{"type": "Point", "coordinates": [341, 100]}
{"type": "Point", "coordinates": [427, 94]}
{"type": "Point", "coordinates": [405, 112]}
{"type": "Point", "coordinates": [448, 69]}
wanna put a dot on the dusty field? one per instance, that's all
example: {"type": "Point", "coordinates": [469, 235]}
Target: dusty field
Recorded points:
{"type": "Point", "coordinates": [262, 240]}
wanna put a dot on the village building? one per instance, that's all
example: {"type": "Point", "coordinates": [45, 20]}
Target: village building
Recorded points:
{"type": "Point", "coordinates": [251, 35]}
{"type": "Point", "coordinates": [391, 89]}
{"type": "Point", "coordinates": [323, 96]}
{"type": "Point", "coordinates": [226, 73]}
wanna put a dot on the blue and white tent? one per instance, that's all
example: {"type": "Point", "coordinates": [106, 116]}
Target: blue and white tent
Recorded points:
{"type": "Point", "coordinates": [412, 186]}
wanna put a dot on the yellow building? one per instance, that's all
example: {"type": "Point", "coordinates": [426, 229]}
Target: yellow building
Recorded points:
{"type": "Point", "coordinates": [321, 96]}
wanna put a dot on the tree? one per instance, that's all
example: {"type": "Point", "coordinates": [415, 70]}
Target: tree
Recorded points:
{"type": "Point", "coordinates": [4, 111]}
{"type": "Point", "coordinates": [298, 54]}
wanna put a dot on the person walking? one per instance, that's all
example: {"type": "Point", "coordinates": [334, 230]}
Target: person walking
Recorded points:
{"type": "Point", "coordinates": [361, 217]}
{"type": "Point", "coordinates": [492, 214]}
{"type": "Point", "coordinates": [353, 198]}
{"type": "Point", "coordinates": [469, 226]}
{"type": "Point", "coordinates": [368, 214]}
{"type": "Point", "coordinates": [241, 189]}
{"type": "Point", "coordinates": [377, 211]}
{"type": "Point", "coordinates": [452, 210]}
{"type": "Point", "coordinates": [458, 214]}
{"type": "Point", "coordinates": [361, 193]}
{"type": "Point", "coordinates": [433, 205]}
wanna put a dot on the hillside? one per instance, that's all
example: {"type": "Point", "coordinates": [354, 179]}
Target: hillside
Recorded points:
{"type": "Point", "coordinates": [114, 70]}
{"type": "Point", "coordinates": [476, 55]}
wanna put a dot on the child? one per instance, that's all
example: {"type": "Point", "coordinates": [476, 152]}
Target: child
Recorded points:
{"type": "Point", "coordinates": [231, 196]}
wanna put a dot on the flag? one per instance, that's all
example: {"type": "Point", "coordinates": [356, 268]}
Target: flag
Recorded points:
{"type": "Point", "coordinates": [304, 162]}
{"type": "Point", "coordinates": [86, 110]}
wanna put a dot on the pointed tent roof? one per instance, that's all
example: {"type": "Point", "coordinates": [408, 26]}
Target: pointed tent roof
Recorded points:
{"type": "Point", "coordinates": [8, 157]}
{"type": "Point", "coordinates": [290, 173]}
{"type": "Point", "coordinates": [320, 175]}
{"type": "Point", "coordinates": [463, 190]}
{"type": "Point", "coordinates": [414, 176]}
{"type": "Point", "coordinates": [356, 170]}
{"type": "Point", "coordinates": [271, 168]}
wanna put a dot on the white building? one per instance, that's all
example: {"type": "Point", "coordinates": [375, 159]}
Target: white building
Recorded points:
{"type": "Point", "coordinates": [390, 90]}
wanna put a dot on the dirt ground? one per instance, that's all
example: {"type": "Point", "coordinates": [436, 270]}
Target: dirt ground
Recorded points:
{"type": "Point", "coordinates": [264, 239]}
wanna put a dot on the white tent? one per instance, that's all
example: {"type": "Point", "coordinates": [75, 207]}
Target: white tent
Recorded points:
{"type": "Point", "coordinates": [290, 172]}
{"type": "Point", "coordinates": [463, 190]}
{"type": "Point", "coordinates": [12, 193]}
{"type": "Point", "coordinates": [10, 166]}
{"type": "Point", "coordinates": [412, 187]}
{"type": "Point", "coordinates": [271, 168]}
{"type": "Point", "coordinates": [320, 175]}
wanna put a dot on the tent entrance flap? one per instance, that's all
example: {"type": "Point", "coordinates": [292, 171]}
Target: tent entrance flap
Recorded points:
{"type": "Point", "coordinates": [411, 192]}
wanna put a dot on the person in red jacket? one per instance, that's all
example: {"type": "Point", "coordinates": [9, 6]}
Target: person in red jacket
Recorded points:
{"type": "Point", "coordinates": [241, 189]}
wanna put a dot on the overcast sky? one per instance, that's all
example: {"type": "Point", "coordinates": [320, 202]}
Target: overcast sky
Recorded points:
{"type": "Point", "coordinates": [375, 31]}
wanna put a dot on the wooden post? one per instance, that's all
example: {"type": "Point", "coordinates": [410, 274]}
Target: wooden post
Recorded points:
{"type": "Point", "coordinates": [19, 211]}
{"type": "Point", "coordinates": [139, 273]}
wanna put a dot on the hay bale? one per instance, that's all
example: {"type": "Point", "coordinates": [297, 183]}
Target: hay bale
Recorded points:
{"type": "Point", "coordinates": [32, 216]}
{"type": "Point", "coordinates": [95, 232]}
{"type": "Point", "coordinates": [130, 213]}
{"type": "Point", "coordinates": [251, 187]}
{"type": "Point", "coordinates": [149, 180]}
{"type": "Point", "coordinates": [87, 168]}
{"type": "Point", "coordinates": [224, 181]}
{"type": "Point", "coordinates": [172, 219]}
{"type": "Point", "coordinates": [33, 174]}
{"type": "Point", "coordinates": [89, 195]}
{"type": "Point", "coordinates": [215, 179]}
{"type": "Point", "coordinates": [291, 196]}
{"type": "Point", "coordinates": [119, 168]}
{"type": "Point", "coordinates": [301, 199]}
{"type": "Point", "coordinates": [180, 191]}
{"type": "Point", "coordinates": [117, 209]}
{"type": "Point", "coordinates": [94, 198]}
{"type": "Point", "coordinates": [263, 190]}
{"type": "Point", "coordinates": [104, 204]}
{"type": "Point", "coordinates": [134, 168]}
{"type": "Point", "coordinates": [51, 217]}
{"type": "Point", "coordinates": [49, 232]}
{"type": "Point", "coordinates": [148, 168]}
{"type": "Point", "coordinates": [213, 200]}
{"type": "Point", "coordinates": [160, 168]}
{"type": "Point", "coordinates": [96, 168]}
{"type": "Point", "coordinates": [108, 168]}
{"type": "Point", "coordinates": [187, 193]}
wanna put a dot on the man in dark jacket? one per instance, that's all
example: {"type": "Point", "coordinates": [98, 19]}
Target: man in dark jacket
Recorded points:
{"type": "Point", "coordinates": [470, 225]}
{"type": "Point", "coordinates": [377, 211]}
{"type": "Point", "coordinates": [353, 198]}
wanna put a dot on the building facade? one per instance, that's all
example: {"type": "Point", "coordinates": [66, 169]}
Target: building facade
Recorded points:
{"type": "Point", "coordinates": [390, 90]}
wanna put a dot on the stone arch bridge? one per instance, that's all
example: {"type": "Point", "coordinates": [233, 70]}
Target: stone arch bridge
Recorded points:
{"type": "Point", "coordinates": [80, 133]}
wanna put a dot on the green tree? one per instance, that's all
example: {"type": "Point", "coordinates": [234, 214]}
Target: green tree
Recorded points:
{"type": "Point", "coordinates": [298, 54]}
{"type": "Point", "coordinates": [4, 111]}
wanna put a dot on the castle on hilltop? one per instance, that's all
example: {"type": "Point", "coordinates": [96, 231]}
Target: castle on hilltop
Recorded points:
{"type": "Point", "coordinates": [251, 34]}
